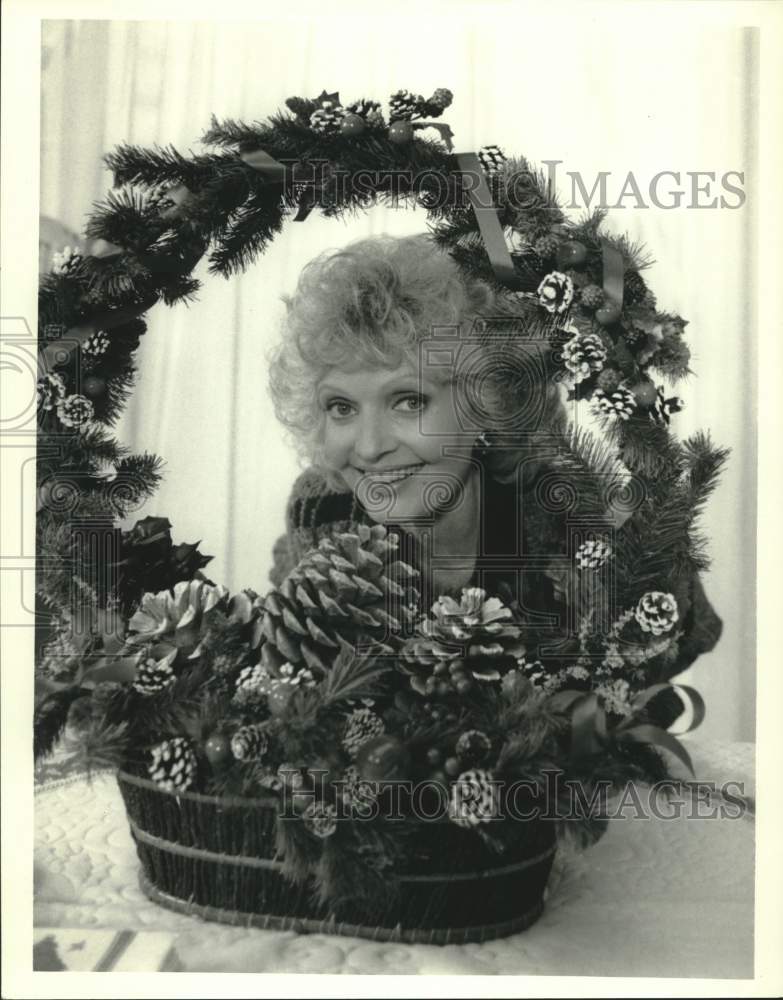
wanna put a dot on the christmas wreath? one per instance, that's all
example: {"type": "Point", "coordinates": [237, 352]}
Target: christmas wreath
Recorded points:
{"type": "Point", "coordinates": [323, 696]}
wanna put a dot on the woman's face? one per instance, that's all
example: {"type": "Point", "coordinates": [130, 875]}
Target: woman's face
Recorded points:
{"type": "Point", "coordinates": [385, 433]}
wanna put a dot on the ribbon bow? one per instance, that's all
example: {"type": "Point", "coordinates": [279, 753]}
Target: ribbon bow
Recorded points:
{"type": "Point", "coordinates": [590, 733]}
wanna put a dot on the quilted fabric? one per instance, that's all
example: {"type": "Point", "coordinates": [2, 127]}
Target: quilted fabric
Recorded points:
{"type": "Point", "coordinates": [653, 897]}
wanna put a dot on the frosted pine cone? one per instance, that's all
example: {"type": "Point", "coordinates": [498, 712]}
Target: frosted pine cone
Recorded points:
{"type": "Point", "coordinates": [583, 355]}
{"type": "Point", "coordinates": [369, 110]}
{"type": "Point", "coordinates": [67, 260]}
{"type": "Point", "coordinates": [96, 344]}
{"type": "Point", "coordinates": [474, 638]}
{"type": "Point", "coordinates": [173, 765]}
{"type": "Point", "coordinates": [404, 105]}
{"type": "Point", "coordinates": [351, 588]}
{"type": "Point", "coordinates": [154, 676]}
{"type": "Point", "coordinates": [593, 553]}
{"type": "Point", "coordinates": [50, 389]}
{"type": "Point", "coordinates": [249, 743]}
{"type": "Point", "coordinates": [619, 404]}
{"type": "Point", "coordinates": [362, 725]}
{"type": "Point", "coordinates": [556, 292]}
{"type": "Point", "coordinates": [320, 818]}
{"type": "Point", "coordinates": [492, 159]}
{"type": "Point", "coordinates": [657, 612]}
{"type": "Point", "coordinates": [75, 410]}
{"type": "Point", "coordinates": [474, 798]}
{"type": "Point", "coordinates": [327, 118]}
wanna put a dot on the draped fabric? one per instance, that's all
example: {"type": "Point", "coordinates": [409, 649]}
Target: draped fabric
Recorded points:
{"type": "Point", "coordinates": [594, 103]}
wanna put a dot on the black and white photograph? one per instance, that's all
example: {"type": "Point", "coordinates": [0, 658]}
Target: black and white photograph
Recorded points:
{"type": "Point", "coordinates": [389, 559]}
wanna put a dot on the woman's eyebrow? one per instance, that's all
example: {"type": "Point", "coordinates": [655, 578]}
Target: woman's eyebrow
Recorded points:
{"type": "Point", "coordinates": [321, 389]}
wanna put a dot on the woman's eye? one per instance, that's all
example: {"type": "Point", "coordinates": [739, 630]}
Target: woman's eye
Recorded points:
{"type": "Point", "coordinates": [411, 404]}
{"type": "Point", "coordinates": [339, 409]}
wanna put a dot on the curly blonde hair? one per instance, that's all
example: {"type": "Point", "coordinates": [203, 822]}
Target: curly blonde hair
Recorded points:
{"type": "Point", "coordinates": [372, 304]}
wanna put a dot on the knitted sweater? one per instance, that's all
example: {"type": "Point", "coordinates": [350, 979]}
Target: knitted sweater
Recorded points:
{"type": "Point", "coordinates": [516, 531]}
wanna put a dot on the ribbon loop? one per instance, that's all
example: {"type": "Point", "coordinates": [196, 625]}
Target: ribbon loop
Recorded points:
{"type": "Point", "coordinates": [489, 224]}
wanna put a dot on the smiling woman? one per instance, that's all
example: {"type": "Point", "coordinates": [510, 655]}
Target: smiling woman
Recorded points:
{"type": "Point", "coordinates": [390, 375]}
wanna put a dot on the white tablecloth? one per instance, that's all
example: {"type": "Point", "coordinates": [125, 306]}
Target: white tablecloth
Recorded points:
{"type": "Point", "coordinates": [652, 898]}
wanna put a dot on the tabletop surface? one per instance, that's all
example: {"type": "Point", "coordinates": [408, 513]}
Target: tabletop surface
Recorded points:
{"type": "Point", "coordinates": [655, 897]}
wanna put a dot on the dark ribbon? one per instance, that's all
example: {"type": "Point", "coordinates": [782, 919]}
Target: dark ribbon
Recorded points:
{"type": "Point", "coordinates": [275, 174]}
{"type": "Point", "coordinates": [590, 734]}
{"type": "Point", "coordinates": [489, 224]}
{"type": "Point", "coordinates": [614, 269]}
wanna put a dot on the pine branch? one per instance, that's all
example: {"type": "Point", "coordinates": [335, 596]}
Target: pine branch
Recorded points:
{"type": "Point", "coordinates": [150, 167]}
{"type": "Point", "coordinates": [51, 717]}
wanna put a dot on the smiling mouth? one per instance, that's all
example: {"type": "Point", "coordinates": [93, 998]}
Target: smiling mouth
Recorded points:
{"type": "Point", "coordinates": [390, 475]}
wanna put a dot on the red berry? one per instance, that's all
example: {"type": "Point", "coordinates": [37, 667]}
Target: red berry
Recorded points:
{"type": "Point", "coordinates": [434, 756]}
{"type": "Point", "coordinates": [217, 749]}
{"type": "Point", "coordinates": [452, 766]}
{"type": "Point", "coordinates": [463, 686]}
{"type": "Point", "coordinates": [443, 689]}
{"type": "Point", "coordinates": [440, 668]}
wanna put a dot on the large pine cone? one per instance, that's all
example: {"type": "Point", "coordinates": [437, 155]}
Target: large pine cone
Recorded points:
{"type": "Point", "coordinates": [351, 586]}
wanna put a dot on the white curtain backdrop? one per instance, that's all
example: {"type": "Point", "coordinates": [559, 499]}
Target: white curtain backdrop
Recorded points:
{"type": "Point", "coordinates": [595, 101]}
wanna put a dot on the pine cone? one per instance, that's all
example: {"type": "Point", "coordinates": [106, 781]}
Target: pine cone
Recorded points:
{"type": "Point", "coordinates": [75, 410]}
{"type": "Point", "coordinates": [609, 379]}
{"type": "Point", "coordinates": [154, 676]}
{"type": "Point", "coordinates": [634, 288]}
{"type": "Point", "coordinates": [556, 292]}
{"type": "Point", "coordinates": [593, 553]}
{"type": "Point", "coordinates": [592, 297]}
{"type": "Point", "coordinates": [441, 98]}
{"type": "Point", "coordinates": [583, 355]}
{"type": "Point", "coordinates": [348, 588]}
{"type": "Point", "coordinates": [369, 110]}
{"type": "Point", "coordinates": [174, 765]}
{"type": "Point", "coordinates": [50, 389]}
{"type": "Point", "coordinates": [492, 159]}
{"type": "Point", "coordinates": [249, 743]}
{"type": "Point", "coordinates": [66, 261]}
{"type": "Point", "coordinates": [619, 404]}
{"type": "Point", "coordinates": [472, 639]}
{"type": "Point", "coordinates": [326, 120]}
{"type": "Point", "coordinates": [404, 105]}
{"type": "Point", "coordinates": [362, 725]}
{"type": "Point", "coordinates": [474, 798]}
{"type": "Point", "coordinates": [96, 344]}
{"type": "Point", "coordinates": [657, 612]}
{"type": "Point", "coordinates": [546, 247]}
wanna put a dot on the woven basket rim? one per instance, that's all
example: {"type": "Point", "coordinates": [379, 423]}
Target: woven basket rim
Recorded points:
{"type": "Point", "coordinates": [216, 800]}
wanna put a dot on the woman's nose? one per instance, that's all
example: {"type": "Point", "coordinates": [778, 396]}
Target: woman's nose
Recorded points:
{"type": "Point", "coordinates": [374, 439]}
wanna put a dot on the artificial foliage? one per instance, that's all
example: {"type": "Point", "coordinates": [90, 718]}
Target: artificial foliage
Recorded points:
{"type": "Point", "coordinates": [338, 684]}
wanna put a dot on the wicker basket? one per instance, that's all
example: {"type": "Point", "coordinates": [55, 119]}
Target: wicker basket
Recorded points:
{"type": "Point", "coordinates": [214, 857]}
